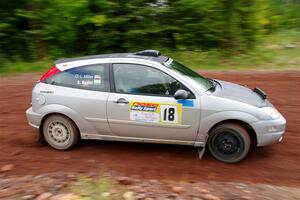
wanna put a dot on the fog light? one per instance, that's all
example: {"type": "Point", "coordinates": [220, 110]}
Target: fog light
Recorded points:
{"type": "Point", "coordinates": [280, 139]}
{"type": "Point", "coordinates": [273, 129]}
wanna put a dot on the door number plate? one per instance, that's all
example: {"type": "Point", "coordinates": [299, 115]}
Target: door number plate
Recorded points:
{"type": "Point", "coordinates": [156, 112]}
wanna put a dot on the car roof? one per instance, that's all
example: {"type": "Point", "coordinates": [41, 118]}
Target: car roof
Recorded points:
{"type": "Point", "coordinates": [152, 55]}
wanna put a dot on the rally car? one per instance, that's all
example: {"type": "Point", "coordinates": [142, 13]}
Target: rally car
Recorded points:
{"type": "Point", "coordinates": [147, 97]}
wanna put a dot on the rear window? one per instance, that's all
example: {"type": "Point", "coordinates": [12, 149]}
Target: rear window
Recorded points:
{"type": "Point", "coordinates": [92, 77]}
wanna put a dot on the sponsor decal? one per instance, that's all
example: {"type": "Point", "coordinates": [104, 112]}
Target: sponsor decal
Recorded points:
{"type": "Point", "coordinates": [186, 102]}
{"type": "Point", "coordinates": [155, 112]}
{"type": "Point", "coordinates": [142, 106]}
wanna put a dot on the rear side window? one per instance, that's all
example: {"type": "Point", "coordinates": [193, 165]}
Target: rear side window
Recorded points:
{"type": "Point", "coordinates": [92, 77]}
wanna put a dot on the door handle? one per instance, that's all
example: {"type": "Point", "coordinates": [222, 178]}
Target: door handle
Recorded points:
{"type": "Point", "coordinates": [121, 100]}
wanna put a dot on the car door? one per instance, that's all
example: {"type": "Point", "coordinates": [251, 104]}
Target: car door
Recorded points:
{"type": "Point", "coordinates": [142, 105]}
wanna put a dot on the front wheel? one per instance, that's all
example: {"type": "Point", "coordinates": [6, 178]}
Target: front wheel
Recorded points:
{"type": "Point", "coordinates": [60, 132]}
{"type": "Point", "coordinates": [229, 143]}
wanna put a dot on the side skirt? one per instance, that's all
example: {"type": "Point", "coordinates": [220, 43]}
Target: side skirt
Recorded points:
{"type": "Point", "coordinates": [135, 139]}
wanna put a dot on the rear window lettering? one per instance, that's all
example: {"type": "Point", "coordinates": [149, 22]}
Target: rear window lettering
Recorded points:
{"type": "Point", "coordinates": [92, 77]}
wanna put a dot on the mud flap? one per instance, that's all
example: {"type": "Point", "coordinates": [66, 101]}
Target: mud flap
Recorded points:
{"type": "Point", "coordinates": [201, 150]}
{"type": "Point", "coordinates": [40, 136]}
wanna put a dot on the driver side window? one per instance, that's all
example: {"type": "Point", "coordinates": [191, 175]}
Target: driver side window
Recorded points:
{"type": "Point", "coordinates": [140, 79]}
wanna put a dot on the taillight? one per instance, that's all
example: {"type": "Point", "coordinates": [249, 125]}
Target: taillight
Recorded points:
{"type": "Point", "coordinates": [52, 71]}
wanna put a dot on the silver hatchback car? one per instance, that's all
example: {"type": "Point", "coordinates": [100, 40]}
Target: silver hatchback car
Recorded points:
{"type": "Point", "coordinates": [147, 97]}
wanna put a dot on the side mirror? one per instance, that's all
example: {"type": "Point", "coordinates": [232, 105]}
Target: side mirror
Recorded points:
{"type": "Point", "coordinates": [181, 94]}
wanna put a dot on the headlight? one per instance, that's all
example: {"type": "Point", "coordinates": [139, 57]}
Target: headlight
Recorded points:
{"type": "Point", "coordinates": [272, 112]}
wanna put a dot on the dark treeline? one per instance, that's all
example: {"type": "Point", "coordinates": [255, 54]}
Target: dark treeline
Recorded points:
{"type": "Point", "coordinates": [39, 29]}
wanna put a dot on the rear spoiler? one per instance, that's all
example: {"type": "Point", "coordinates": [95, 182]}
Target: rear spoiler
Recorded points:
{"type": "Point", "coordinates": [260, 92]}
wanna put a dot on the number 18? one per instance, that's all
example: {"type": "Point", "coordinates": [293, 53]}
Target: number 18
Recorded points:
{"type": "Point", "coordinates": [169, 113]}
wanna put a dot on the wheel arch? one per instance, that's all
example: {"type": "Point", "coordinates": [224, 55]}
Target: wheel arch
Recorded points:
{"type": "Point", "coordinates": [55, 113]}
{"type": "Point", "coordinates": [248, 127]}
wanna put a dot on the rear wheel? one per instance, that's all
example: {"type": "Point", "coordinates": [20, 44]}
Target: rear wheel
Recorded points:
{"type": "Point", "coordinates": [60, 132]}
{"type": "Point", "coordinates": [229, 143]}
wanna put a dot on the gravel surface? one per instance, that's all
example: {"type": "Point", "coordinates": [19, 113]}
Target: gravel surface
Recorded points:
{"type": "Point", "coordinates": [70, 186]}
{"type": "Point", "coordinates": [277, 165]}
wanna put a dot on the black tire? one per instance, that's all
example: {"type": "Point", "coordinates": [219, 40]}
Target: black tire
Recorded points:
{"type": "Point", "coordinates": [60, 132]}
{"type": "Point", "coordinates": [229, 143]}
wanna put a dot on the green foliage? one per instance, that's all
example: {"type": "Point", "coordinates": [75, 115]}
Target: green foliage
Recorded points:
{"type": "Point", "coordinates": [50, 29]}
{"type": "Point", "coordinates": [273, 52]}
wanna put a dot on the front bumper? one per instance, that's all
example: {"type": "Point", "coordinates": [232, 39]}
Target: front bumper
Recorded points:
{"type": "Point", "coordinates": [34, 119]}
{"type": "Point", "coordinates": [269, 131]}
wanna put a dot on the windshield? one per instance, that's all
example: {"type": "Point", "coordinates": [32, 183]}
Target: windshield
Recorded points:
{"type": "Point", "coordinates": [205, 83]}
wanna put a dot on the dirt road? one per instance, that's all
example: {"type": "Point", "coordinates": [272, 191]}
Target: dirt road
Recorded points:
{"type": "Point", "coordinates": [277, 164]}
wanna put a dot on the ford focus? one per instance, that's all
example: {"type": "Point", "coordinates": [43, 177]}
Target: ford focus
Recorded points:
{"type": "Point", "coordinates": [148, 97]}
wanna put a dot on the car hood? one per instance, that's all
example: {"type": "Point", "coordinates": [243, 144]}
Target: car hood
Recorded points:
{"type": "Point", "coordinates": [239, 93]}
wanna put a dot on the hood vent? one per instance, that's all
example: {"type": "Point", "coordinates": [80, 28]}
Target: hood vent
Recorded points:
{"type": "Point", "coordinates": [260, 92]}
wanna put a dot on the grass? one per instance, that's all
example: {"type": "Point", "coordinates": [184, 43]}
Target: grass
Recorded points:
{"type": "Point", "coordinates": [101, 189]}
{"type": "Point", "coordinates": [21, 67]}
{"type": "Point", "coordinates": [279, 51]}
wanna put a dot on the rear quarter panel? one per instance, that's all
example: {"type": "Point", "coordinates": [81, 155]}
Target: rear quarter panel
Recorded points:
{"type": "Point", "coordinates": [85, 107]}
